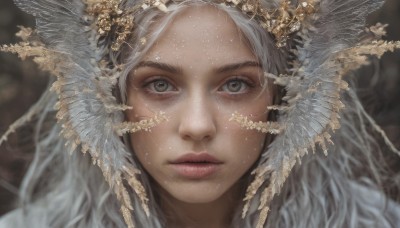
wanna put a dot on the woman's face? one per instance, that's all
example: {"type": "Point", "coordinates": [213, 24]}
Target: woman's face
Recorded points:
{"type": "Point", "coordinates": [198, 73]}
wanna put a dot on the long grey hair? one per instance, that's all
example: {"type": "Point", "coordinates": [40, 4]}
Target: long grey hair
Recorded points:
{"type": "Point", "coordinates": [338, 190]}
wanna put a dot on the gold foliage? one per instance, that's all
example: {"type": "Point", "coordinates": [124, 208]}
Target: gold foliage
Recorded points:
{"type": "Point", "coordinates": [24, 33]}
{"type": "Point", "coordinates": [126, 214]}
{"type": "Point", "coordinates": [264, 127]}
{"type": "Point", "coordinates": [280, 22]}
{"type": "Point", "coordinates": [107, 13]}
{"type": "Point", "coordinates": [378, 30]}
{"type": "Point", "coordinates": [355, 57]}
{"type": "Point", "coordinates": [46, 59]}
{"type": "Point", "coordinates": [143, 125]}
{"type": "Point", "coordinates": [260, 176]}
{"type": "Point", "coordinates": [135, 184]}
{"type": "Point", "coordinates": [159, 4]}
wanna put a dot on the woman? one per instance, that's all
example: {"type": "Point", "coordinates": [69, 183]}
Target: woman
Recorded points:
{"type": "Point", "coordinates": [189, 107]}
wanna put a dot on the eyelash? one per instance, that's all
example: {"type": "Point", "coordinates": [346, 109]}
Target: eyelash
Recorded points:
{"type": "Point", "coordinates": [244, 82]}
{"type": "Point", "coordinates": [150, 84]}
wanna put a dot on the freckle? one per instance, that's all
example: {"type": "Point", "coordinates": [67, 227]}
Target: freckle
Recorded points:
{"type": "Point", "coordinates": [218, 186]}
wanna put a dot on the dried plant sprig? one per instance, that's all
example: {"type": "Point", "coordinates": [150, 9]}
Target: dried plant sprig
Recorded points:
{"type": "Point", "coordinates": [280, 170]}
{"type": "Point", "coordinates": [126, 214]}
{"type": "Point", "coordinates": [159, 4]}
{"type": "Point", "coordinates": [70, 134]}
{"type": "Point", "coordinates": [260, 174]}
{"type": "Point", "coordinates": [142, 125]}
{"type": "Point", "coordinates": [276, 176]}
{"type": "Point", "coordinates": [378, 30]}
{"type": "Point", "coordinates": [281, 22]}
{"type": "Point", "coordinates": [355, 57]}
{"type": "Point", "coordinates": [24, 33]}
{"type": "Point", "coordinates": [264, 127]}
{"type": "Point", "coordinates": [137, 187]}
{"type": "Point", "coordinates": [108, 16]}
{"type": "Point", "coordinates": [46, 59]}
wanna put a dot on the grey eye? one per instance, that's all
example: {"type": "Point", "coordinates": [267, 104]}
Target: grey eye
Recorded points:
{"type": "Point", "coordinates": [234, 86]}
{"type": "Point", "coordinates": [161, 85]}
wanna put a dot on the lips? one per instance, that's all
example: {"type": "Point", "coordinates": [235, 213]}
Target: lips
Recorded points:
{"type": "Point", "coordinates": [196, 165]}
{"type": "Point", "coordinates": [196, 158]}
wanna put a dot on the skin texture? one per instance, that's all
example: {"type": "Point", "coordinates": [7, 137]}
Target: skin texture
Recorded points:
{"type": "Point", "coordinates": [198, 73]}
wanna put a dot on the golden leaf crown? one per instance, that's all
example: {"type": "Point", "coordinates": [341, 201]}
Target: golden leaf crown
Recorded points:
{"type": "Point", "coordinates": [281, 22]}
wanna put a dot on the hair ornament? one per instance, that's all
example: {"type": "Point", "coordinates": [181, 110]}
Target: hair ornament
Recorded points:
{"type": "Point", "coordinates": [282, 22]}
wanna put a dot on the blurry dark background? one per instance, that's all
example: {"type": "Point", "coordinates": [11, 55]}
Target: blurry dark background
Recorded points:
{"type": "Point", "coordinates": [21, 85]}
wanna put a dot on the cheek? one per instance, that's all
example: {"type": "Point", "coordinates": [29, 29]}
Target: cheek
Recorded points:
{"type": "Point", "coordinates": [147, 145]}
{"type": "Point", "coordinates": [244, 146]}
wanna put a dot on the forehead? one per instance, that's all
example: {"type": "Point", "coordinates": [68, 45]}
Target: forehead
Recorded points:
{"type": "Point", "coordinates": [201, 32]}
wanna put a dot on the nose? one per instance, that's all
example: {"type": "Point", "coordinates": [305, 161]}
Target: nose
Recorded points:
{"type": "Point", "coordinates": [197, 122]}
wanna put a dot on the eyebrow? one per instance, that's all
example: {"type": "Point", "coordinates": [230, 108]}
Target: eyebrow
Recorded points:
{"type": "Point", "coordinates": [235, 66]}
{"type": "Point", "coordinates": [162, 66]}
{"type": "Point", "coordinates": [177, 70]}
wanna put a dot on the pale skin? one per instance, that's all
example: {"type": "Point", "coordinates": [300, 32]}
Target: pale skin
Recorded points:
{"type": "Point", "coordinates": [198, 73]}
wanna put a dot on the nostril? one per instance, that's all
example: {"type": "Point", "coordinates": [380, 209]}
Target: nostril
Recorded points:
{"type": "Point", "coordinates": [197, 130]}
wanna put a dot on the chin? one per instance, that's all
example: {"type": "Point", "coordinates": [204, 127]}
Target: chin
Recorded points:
{"type": "Point", "coordinates": [196, 193]}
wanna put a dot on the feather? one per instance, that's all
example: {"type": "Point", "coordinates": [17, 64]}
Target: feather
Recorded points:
{"type": "Point", "coordinates": [314, 101]}
{"type": "Point", "coordinates": [87, 110]}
